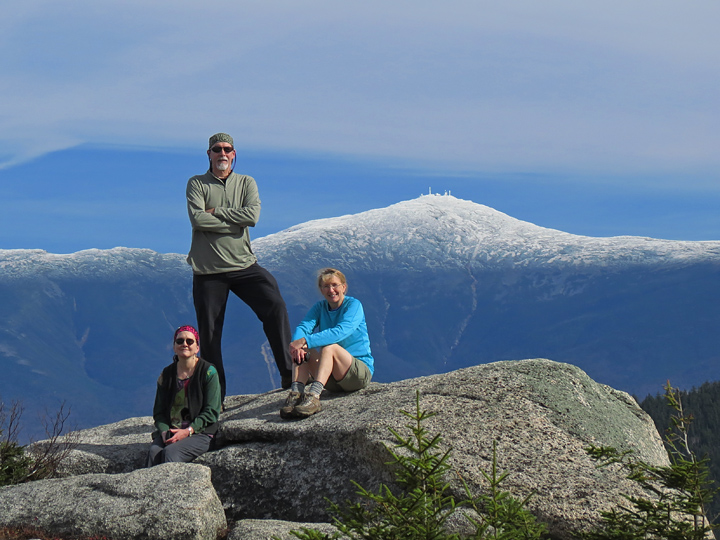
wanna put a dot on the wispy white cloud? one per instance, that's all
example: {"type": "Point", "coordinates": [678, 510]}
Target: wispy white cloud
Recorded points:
{"type": "Point", "coordinates": [521, 85]}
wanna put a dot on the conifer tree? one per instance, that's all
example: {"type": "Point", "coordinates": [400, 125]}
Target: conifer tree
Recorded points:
{"type": "Point", "coordinates": [418, 507]}
{"type": "Point", "coordinates": [678, 495]}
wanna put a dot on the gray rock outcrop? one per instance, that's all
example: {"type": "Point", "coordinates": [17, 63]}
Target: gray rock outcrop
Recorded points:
{"type": "Point", "coordinates": [268, 471]}
{"type": "Point", "coordinates": [266, 529]}
{"type": "Point", "coordinates": [174, 500]}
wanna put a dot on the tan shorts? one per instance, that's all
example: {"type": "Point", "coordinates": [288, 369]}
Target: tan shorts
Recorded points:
{"type": "Point", "coordinates": [357, 377]}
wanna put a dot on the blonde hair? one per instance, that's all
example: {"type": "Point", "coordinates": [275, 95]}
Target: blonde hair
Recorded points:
{"type": "Point", "coordinates": [327, 273]}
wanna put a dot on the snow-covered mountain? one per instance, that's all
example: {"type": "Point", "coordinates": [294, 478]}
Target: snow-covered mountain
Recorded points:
{"type": "Point", "coordinates": [443, 232]}
{"type": "Point", "coordinates": [446, 283]}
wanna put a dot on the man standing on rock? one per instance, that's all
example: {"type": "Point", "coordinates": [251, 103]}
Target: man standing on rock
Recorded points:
{"type": "Point", "coordinates": [222, 205]}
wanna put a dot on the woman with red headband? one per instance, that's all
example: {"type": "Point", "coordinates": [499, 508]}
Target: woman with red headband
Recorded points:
{"type": "Point", "coordinates": [187, 403]}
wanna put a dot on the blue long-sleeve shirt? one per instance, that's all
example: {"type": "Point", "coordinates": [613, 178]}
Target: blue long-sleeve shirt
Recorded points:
{"type": "Point", "coordinates": [345, 326]}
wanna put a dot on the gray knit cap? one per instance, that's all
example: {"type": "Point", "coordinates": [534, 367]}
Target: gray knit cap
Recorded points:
{"type": "Point", "coordinates": [221, 137]}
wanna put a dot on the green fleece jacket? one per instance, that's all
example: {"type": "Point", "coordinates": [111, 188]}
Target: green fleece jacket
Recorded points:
{"type": "Point", "coordinates": [221, 241]}
{"type": "Point", "coordinates": [204, 402]}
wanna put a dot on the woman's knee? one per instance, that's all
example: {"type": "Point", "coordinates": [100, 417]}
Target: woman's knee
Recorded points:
{"type": "Point", "coordinates": [157, 446]}
{"type": "Point", "coordinates": [334, 350]}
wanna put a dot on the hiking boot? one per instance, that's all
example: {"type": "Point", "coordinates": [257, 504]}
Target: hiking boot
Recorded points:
{"type": "Point", "coordinates": [294, 398]}
{"type": "Point", "coordinates": [309, 406]}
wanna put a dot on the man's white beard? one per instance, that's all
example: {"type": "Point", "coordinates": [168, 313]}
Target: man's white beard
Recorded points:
{"type": "Point", "coordinates": [223, 166]}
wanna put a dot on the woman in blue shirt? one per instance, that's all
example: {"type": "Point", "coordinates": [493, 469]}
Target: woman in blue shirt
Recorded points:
{"type": "Point", "coordinates": [330, 348]}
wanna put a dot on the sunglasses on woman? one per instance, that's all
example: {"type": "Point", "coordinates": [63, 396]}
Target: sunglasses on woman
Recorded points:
{"type": "Point", "coordinates": [180, 341]}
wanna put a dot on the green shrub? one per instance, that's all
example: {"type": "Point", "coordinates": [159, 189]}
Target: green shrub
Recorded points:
{"type": "Point", "coordinates": [677, 495]}
{"type": "Point", "coordinates": [19, 463]}
{"type": "Point", "coordinates": [14, 463]}
{"type": "Point", "coordinates": [502, 516]}
{"type": "Point", "coordinates": [419, 507]}
{"type": "Point", "coordinates": [703, 403]}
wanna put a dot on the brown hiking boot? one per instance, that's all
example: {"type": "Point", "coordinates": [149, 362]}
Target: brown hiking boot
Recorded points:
{"type": "Point", "coordinates": [294, 398]}
{"type": "Point", "coordinates": [309, 406]}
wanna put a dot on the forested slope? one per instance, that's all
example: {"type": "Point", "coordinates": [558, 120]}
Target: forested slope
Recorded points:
{"type": "Point", "coordinates": [703, 404]}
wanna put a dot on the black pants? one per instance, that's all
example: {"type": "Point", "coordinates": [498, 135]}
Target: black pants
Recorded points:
{"type": "Point", "coordinates": [258, 289]}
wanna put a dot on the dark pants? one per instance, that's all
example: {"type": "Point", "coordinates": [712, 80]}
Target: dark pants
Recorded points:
{"type": "Point", "coordinates": [258, 289]}
{"type": "Point", "coordinates": [184, 450]}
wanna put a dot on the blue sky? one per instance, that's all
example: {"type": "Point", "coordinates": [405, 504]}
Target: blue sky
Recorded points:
{"type": "Point", "coordinates": [593, 118]}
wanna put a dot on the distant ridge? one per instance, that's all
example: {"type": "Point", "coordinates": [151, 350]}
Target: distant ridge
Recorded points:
{"type": "Point", "coordinates": [436, 229]}
{"type": "Point", "coordinates": [100, 262]}
{"type": "Point", "coordinates": [445, 283]}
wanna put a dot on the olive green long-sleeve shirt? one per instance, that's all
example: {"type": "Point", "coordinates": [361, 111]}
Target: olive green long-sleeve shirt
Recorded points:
{"type": "Point", "coordinates": [221, 241]}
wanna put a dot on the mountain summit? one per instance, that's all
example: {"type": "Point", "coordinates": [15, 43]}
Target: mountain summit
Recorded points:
{"type": "Point", "coordinates": [442, 231]}
{"type": "Point", "coordinates": [445, 283]}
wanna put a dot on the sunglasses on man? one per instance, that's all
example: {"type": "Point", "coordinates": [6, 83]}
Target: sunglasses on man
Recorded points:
{"type": "Point", "coordinates": [226, 149]}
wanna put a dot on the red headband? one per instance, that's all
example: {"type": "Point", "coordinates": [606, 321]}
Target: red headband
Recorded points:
{"type": "Point", "coordinates": [190, 329]}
